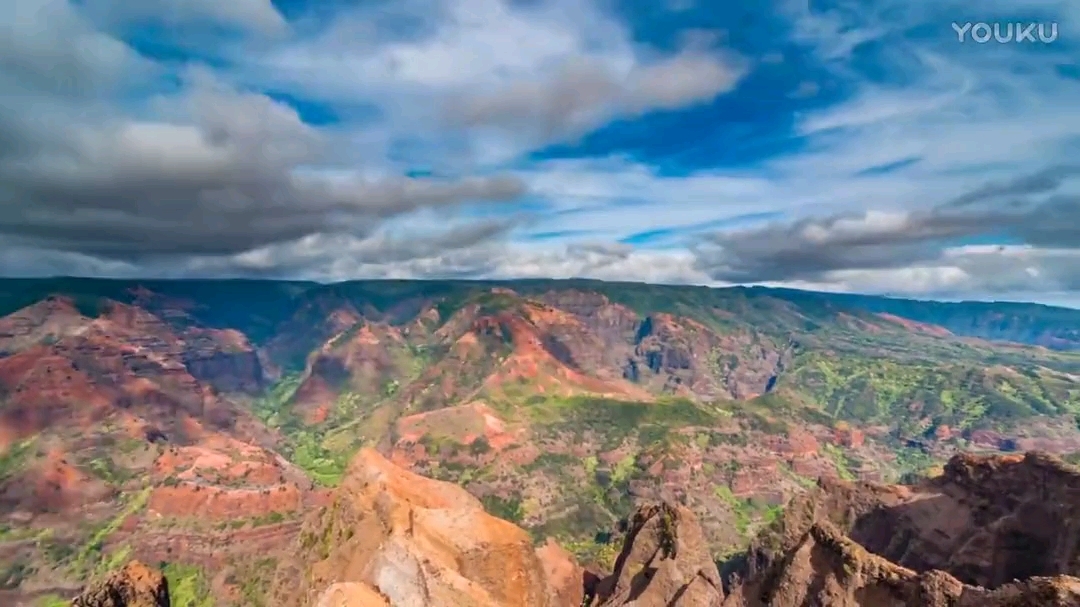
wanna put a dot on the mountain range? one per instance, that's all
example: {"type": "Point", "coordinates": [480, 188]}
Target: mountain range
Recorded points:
{"type": "Point", "coordinates": [238, 435]}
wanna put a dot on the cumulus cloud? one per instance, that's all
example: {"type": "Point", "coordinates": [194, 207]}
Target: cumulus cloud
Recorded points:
{"type": "Point", "coordinates": [228, 172]}
{"type": "Point", "coordinates": [47, 46]}
{"type": "Point", "coordinates": [931, 246]}
{"type": "Point", "coordinates": [475, 251]}
{"type": "Point", "coordinates": [582, 95]}
{"type": "Point", "coordinates": [338, 256]}
{"type": "Point", "coordinates": [497, 77]}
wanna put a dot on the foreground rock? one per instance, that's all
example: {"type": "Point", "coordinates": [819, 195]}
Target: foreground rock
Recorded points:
{"type": "Point", "coordinates": [1010, 524]}
{"type": "Point", "coordinates": [393, 538]}
{"type": "Point", "coordinates": [136, 585]}
{"type": "Point", "coordinates": [664, 562]}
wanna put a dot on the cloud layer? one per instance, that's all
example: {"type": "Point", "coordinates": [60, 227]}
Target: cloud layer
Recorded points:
{"type": "Point", "coordinates": [849, 146]}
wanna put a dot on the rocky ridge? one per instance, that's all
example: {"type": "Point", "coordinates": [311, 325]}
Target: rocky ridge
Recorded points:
{"type": "Point", "coordinates": [413, 542]}
{"type": "Point", "coordinates": [989, 532]}
{"type": "Point", "coordinates": [969, 538]}
{"type": "Point", "coordinates": [134, 585]}
{"type": "Point", "coordinates": [664, 562]}
{"type": "Point", "coordinates": [391, 538]}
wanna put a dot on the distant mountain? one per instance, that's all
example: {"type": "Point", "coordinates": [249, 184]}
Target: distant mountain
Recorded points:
{"type": "Point", "coordinates": [1025, 323]}
{"type": "Point", "coordinates": [229, 302]}
{"type": "Point", "coordinates": [197, 423]}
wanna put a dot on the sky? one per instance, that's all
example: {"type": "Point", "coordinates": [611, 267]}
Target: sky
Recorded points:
{"type": "Point", "coordinates": [841, 145]}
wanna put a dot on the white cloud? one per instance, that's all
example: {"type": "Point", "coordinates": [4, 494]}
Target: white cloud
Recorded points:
{"type": "Point", "coordinates": [467, 89]}
{"type": "Point", "coordinates": [497, 78]}
{"type": "Point", "coordinates": [257, 15]}
{"type": "Point", "coordinates": [47, 45]}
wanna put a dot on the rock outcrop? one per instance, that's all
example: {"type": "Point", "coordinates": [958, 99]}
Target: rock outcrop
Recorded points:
{"type": "Point", "coordinates": [394, 538]}
{"type": "Point", "coordinates": [665, 562]}
{"type": "Point", "coordinates": [135, 585]}
{"type": "Point", "coordinates": [990, 532]}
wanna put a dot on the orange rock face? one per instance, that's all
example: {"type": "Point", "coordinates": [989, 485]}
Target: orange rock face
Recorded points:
{"type": "Point", "coordinates": [351, 594]}
{"type": "Point", "coordinates": [418, 543]}
{"type": "Point", "coordinates": [665, 562]}
{"type": "Point", "coordinates": [564, 575]}
{"type": "Point", "coordinates": [210, 502]}
{"type": "Point", "coordinates": [135, 585]}
{"type": "Point", "coordinates": [849, 437]}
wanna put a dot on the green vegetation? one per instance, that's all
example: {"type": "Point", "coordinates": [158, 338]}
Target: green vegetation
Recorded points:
{"type": "Point", "coordinates": [89, 558]}
{"type": "Point", "coordinates": [914, 464]}
{"type": "Point", "coordinates": [113, 561]}
{"type": "Point", "coordinates": [739, 507]}
{"type": "Point", "coordinates": [961, 393]}
{"type": "Point", "coordinates": [486, 302]}
{"type": "Point", "coordinates": [15, 572]}
{"type": "Point", "coordinates": [107, 470]}
{"type": "Point", "coordinates": [830, 358]}
{"type": "Point", "coordinates": [600, 550]}
{"type": "Point", "coordinates": [505, 508]}
{"type": "Point", "coordinates": [188, 586]}
{"type": "Point", "coordinates": [308, 452]}
{"type": "Point", "coordinates": [253, 579]}
{"type": "Point", "coordinates": [616, 419]}
{"type": "Point", "coordinates": [303, 445]}
{"type": "Point", "coordinates": [274, 407]}
{"type": "Point", "coordinates": [258, 308]}
{"type": "Point", "coordinates": [16, 457]}
{"type": "Point", "coordinates": [840, 461]}
{"type": "Point", "coordinates": [750, 514]}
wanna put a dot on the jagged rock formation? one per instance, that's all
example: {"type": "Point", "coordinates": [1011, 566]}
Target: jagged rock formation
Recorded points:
{"type": "Point", "coordinates": [963, 539]}
{"type": "Point", "coordinates": [394, 538]}
{"type": "Point", "coordinates": [664, 562]}
{"type": "Point", "coordinates": [565, 576]}
{"type": "Point", "coordinates": [136, 585]}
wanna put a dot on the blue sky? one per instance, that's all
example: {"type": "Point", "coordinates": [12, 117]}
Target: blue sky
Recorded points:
{"type": "Point", "coordinates": [840, 145]}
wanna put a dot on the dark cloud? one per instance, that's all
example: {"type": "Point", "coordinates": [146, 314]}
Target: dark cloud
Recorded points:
{"type": "Point", "coordinates": [228, 175]}
{"type": "Point", "coordinates": [465, 250]}
{"type": "Point", "coordinates": [335, 256]}
{"type": "Point", "coordinates": [97, 177]}
{"type": "Point", "coordinates": [813, 250]}
{"type": "Point", "coordinates": [1046, 180]}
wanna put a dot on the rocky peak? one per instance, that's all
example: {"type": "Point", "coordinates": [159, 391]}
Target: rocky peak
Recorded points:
{"type": "Point", "coordinates": [827, 567]}
{"type": "Point", "coordinates": [415, 542]}
{"type": "Point", "coordinates": [665, 562]}
{"type": "Point", "coordinates": [135, 585]}
{"type": "Point", "coordinates": [989, 532]}
{"type": "Point", "coordinates": [1017, 474]}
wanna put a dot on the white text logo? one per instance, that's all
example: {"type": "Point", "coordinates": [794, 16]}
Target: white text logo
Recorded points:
{"type": "Point", "coordinates": [1006, 32]}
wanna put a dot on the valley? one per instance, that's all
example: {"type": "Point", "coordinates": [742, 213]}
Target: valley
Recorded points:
{"type": "Point", "coordinates": [200, 426]}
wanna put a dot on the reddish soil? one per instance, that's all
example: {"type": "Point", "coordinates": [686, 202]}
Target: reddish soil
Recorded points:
{"type": "Point", "coordinates": [915, 326]}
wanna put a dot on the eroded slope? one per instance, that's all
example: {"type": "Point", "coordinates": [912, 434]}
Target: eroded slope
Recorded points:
{"type": "Point", "coordinates": [963, 538]}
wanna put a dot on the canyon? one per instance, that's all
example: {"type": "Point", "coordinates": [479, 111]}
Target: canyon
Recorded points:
{"type": "Point", "coordinates": [231, 434]}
